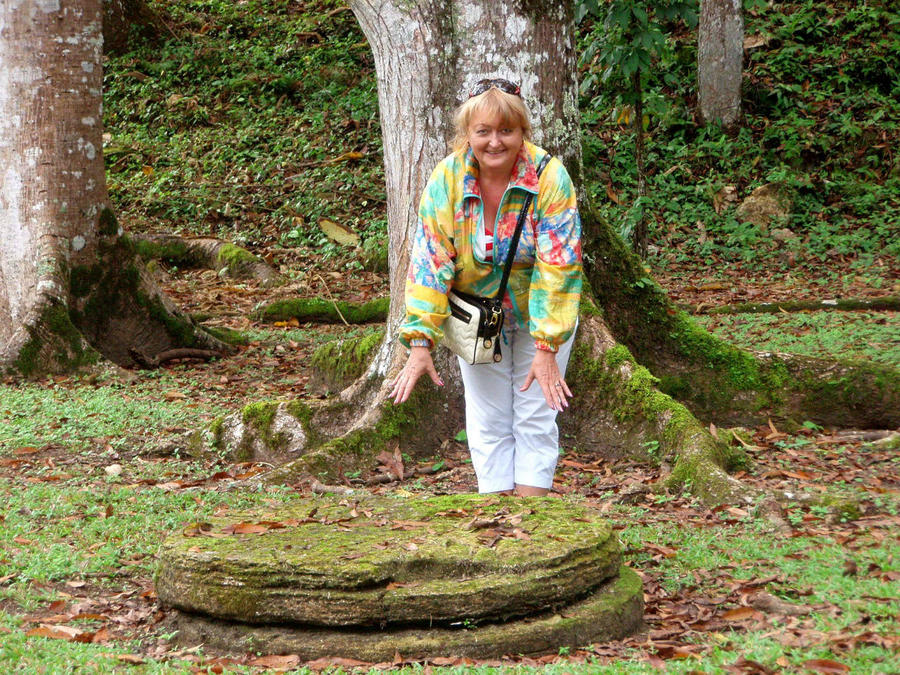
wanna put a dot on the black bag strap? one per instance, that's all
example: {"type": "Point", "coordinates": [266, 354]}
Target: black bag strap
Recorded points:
{"type": "Point", "coordinates": [514, 243]}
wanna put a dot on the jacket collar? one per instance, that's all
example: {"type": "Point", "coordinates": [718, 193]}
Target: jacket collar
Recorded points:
{"type": "Point", "coordinates": [524, 173]}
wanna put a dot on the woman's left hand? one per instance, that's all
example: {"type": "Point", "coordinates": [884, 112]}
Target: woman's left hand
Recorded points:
{"type": "Point", "coordinates": [545, 370]}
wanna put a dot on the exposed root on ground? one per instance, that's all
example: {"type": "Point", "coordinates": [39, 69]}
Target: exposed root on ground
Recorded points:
{"type": "Point", "coordinates": [886, 304]}
{"type": "Point", "coordinates": [224, 257]}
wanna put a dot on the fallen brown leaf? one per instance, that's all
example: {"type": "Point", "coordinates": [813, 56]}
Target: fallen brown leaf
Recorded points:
{"type": "Point", "coordinates": [826, 666]}
{"type": "Point", "coordinates": [276, 661]}
{"type": "Point", "coordinates": [56, 632]}
{"type": "Point", "coordinates": [245, 528]}
{"type": "Point", "coordinates": [740, 614]}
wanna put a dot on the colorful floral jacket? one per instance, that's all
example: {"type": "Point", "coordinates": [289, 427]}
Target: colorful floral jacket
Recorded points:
{"type": "Point", "coordinates": [545, 283]}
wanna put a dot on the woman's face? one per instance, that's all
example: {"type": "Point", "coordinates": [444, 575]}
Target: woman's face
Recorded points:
{"type": "Point", "coordinates": [495, 144]}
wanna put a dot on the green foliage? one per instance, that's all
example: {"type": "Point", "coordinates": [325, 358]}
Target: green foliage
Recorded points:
{"type": "Point", "coordinates": [632, 37]}
{"type": "Point", "coordinates": [229, 125]}
{"type": "Point", "coordinates": [821, 105]}
{"type": "Point", "coordinates": [868, 336]}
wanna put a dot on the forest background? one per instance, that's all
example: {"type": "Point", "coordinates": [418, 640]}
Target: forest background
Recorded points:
{"type": "Point", "coordinates": [257, 123]}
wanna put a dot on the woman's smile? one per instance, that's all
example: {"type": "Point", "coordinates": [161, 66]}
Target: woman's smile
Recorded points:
{"type": "Point", "coordinates": [495, 143]}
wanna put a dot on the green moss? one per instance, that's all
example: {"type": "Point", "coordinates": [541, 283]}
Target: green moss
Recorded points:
{"type": "Point", "coordinates": [175, 252]}
{"type": "Point", "coordinates": [234, 258]}
{"type": "Point", "coordinates": [181, 330]}
{"type": "Point", "coordinates": [338, 363]}
{"type": "Point", "coordinates": [617, 355]}
{"type": "Point", "coordinates": [226, 335]}
{"type": "Point", "coordinates": [54, 345]}
{"type": "Point", "coordinates": [587, 307]}
{"type": "Point", "coordinates": [300, 411]}
{"type": "Point", "coordinates": [217, 429]}
{"type": "Point", "coordinates": [259, 417]}
{"type": "Point", "coordinates": [27, 362]}
{"type": "Point", "coordinates": [318, 309]}
{"type": "Point", "coordinates": [108, 225]}
{"type": "Point", "coordinates": [303, 413]}
{"type": "Point", "coordinates": [409, 423]}
{"type": "Point", "coordinates": [84, 279]}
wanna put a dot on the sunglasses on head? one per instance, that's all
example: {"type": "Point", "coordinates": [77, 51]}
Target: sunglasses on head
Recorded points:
{"type": "Point", "coordinates": [503, 85]}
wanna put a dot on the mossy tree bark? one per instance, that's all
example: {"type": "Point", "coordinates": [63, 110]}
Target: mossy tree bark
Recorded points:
{"type": "Point", "coordinates": [425, 54]}
{"type": "Point", "coordinates": [717, 381]}
{"type": "Point", "coordinates": [215, 254]}
{"type": "Point", "coordinates": [71, 287]}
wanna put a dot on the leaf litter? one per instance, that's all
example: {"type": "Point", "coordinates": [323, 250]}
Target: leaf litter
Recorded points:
{"type": "Point", "coordinates": [686, 620]}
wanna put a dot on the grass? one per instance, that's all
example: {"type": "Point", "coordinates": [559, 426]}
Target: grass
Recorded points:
{"type": "Point", "coordinates": [870, 336]}
{"type": "Point", "coordinates": [64, 523]}
{"type": "Point", "coordinates": [86, 415]}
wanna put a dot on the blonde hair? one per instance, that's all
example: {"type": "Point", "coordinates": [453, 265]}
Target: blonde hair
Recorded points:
{"type": "Point", "coordinates": [509, 107]}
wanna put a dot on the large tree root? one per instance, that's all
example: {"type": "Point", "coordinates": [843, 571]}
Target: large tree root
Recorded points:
{"type": "Point", "coordinates": [325, 311]}
{"type": "Point", "coordinates": [717, 381]}
{"type": "Point", "coordinates": [214, 254]}
{"type": "Point", "coordinates": [885, 304]}
{"type": "Point", "coordinates": [617, 411]}
{"type": "Point", "coordinates": [324, 440]}
{"type": "Point", "coordinates": [115, 311]}
{"type": "Point", "coordinates": [120, 310]}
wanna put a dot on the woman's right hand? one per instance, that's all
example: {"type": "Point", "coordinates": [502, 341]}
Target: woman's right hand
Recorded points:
{"type": "Point", "coordinates": [418, 363]}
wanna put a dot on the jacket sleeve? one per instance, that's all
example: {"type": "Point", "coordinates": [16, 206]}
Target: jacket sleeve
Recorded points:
{"type": "Point", "coordinates": [555, 291]}
{"type": "Point", "coordinates": [432, 264]}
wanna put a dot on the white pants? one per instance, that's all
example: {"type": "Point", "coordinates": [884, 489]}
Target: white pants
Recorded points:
{"type": "Point", "coordinates": [512, 434]}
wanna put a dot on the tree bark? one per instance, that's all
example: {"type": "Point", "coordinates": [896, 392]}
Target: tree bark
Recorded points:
{"type": "Point", "coordinates": [426, 55]}
{"type": "Point", "coordinates": [71, 288]}
{"type": "Point", "coordinates": [720, 52]}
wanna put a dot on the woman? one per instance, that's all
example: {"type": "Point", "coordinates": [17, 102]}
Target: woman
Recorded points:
{"type": "Point", "coordinates": [467, 217]}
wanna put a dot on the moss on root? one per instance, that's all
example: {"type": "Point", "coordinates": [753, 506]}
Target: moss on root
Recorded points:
{"type": "Point", "coordinates": [260, 417]}
{"type": "Point", "coordinates": [226, 335]}
{"type": "Point", "coordinates": [179, 328]}
{"type": "Point", "coordinates": [409, 426]}
{"type": "Point", "coordinates": [318, 309]}
{"type": "Point", "coordinates": [716, 380]}
{"type": "Point", "coordinates": [338, 363]}
{"type": "Point", "coordinates": [235, 259]}
{"type": "Point", "coordinates": [54, 345]}
{"type": "Point", "coordinates": [172, 251]}
{"type": "Point", "coordinates": [659, 427]}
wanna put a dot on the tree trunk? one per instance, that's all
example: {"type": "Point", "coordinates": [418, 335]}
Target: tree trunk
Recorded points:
{"type": "Point", "coordinates": [720, 52]}
{"type": "Point", "coordinates": [71, 288]}
{"type": "Point", "coordinates": [426, 54]}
